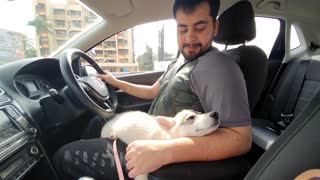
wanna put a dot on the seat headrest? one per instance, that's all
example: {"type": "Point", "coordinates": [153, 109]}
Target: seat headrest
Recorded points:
{"type": "Point", "coordinates": [236, 24]}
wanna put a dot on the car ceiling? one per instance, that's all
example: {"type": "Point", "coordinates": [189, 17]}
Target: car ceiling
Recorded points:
{"type": "Point", "coordinates": [119, 8]}
{"type": "Point", "coordinates": [122, 14]}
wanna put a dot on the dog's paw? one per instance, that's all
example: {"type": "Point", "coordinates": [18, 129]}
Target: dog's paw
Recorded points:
{"type": "Point", "coordinates": [112, 136]}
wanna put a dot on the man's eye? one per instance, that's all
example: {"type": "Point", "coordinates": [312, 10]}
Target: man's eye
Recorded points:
{"type": "Point", "coordinates": [200, 27]}
{"type": "Point", "coordinates": [183, 30]}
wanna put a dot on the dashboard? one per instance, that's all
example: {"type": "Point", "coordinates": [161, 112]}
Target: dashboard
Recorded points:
{"type": "Point", "coordinates": [30, 118]}
{"type": "Point", "coordinates": [19, 149]}
{"type": "Point", "coordinates": [32, 86]}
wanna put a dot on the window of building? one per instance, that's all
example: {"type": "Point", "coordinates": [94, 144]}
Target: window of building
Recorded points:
{"type": "Point", "coordinates": [110, 61]}
{"type": "Point", "coordinates": [75, 13]}
{"type": "Point", "coordinates": [111, 52]}
{"type": "Point", "coordinates": [123, 51]}
{"type": "Point", "coordinates": [59, 11]}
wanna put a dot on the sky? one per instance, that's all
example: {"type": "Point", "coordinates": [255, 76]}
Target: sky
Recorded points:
{"type": "Point", "coordinates": [151, 38]}
{"type": "Point", "coordinates": [10, 20]}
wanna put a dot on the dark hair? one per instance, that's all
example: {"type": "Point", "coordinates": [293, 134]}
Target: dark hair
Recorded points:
{"type": "Point", "coordinates": [188, 6]}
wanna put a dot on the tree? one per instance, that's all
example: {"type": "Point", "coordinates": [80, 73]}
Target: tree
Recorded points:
{"type": "Point", "coordinates": [145, 61]}
{"type": "Point", "coordinates": [41, 24]}
{"type": "Point", "coordinates": [168, 56]}
{"type": "Point", "coordinates": [29, 50]}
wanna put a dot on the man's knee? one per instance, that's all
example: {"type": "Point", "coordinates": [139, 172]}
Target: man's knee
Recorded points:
{"type": "Point", "coordinates": [61, 161]}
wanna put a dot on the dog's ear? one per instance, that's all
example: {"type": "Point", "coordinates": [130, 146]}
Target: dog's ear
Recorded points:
{"type": "Point", "coordinates": [166, 122]}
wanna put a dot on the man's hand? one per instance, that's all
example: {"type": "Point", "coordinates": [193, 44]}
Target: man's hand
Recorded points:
{"type": "Point", "coordinates": [109, 78]}
{"type": "Point", "coordinates": [145, 156]}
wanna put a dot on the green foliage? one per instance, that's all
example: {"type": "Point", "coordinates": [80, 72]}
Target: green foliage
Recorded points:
{"type": "Point", "coordinates": [168, 56]}
{"type": "Point", "coordinates": [41, 24]}
{"type": "Point", "coordinates": [145, 61]}
{"type": "Point", "coordinates": [29, 50]}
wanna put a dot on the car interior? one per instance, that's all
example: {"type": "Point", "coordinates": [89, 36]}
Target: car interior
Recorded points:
{"type": "Point", "coordinates": [46, 102]}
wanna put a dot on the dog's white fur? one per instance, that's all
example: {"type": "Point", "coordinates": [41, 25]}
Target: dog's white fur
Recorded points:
{"type": "Point", "coordinates": [136, 125]}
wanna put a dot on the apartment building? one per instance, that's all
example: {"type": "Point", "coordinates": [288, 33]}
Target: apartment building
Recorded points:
{"type": "Point", "coordinates": [66, 20]}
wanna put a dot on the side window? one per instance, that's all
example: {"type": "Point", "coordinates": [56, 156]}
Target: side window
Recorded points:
{"type": "Point", "coordinates": [294, 39]}
{"type": "Point", "coordinates": [267, 30]}
{"type": "Point", "coordinates": [143, 48]}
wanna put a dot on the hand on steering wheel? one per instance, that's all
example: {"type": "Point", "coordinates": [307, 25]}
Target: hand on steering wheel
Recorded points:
{"type": "Point", "coordinates": [95, 94]}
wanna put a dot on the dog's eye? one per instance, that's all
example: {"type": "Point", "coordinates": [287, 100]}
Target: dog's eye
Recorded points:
{"type": "Point", "coordinates": [192, 117]}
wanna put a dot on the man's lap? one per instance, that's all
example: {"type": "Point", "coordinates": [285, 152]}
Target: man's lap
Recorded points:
{"type": "Point", "coordinates": [89, 157]}
{"type": "Point", "coordinates": [92, 157]}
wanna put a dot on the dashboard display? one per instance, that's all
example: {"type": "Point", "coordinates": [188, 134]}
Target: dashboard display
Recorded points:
{"type": "Point", "coordinates": [31, 85]}
{"type": "Point", "coordinates": [7, 127]}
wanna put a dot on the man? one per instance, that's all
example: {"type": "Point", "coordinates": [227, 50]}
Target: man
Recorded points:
{"type": "Point", "coordinates": [207, 80]}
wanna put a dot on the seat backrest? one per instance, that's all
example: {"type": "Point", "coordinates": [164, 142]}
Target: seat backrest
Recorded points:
{"type": "Point", "coordinates": [310, 86]}
{"type": "Point", "coordinates": [237, 26]}
{"type": "Point", "coordinates": [295, 151]}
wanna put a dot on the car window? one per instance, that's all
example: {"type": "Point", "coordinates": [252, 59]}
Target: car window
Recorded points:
{"type": "Point", "coordinates": [267, 30]}
{"type": "Point", "coordinates": [294, 39]}
{"type": "Point", "coordinates": [144, 48]}
{"type": "Point", "coordinates": [152, 46]}
{"type": "Point", "coordinates": [33, 28]}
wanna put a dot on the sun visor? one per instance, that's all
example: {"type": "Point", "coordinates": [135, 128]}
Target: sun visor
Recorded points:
{"type": "Point", "coordinates": [109, 8]}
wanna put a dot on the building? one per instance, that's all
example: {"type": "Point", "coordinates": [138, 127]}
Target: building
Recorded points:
{"type": "Point", "coordinates": [116, 53]}
{"type": "Point", "coordinates": [11, 46]}
{"type": "Point", "coordinates": [63, 21]}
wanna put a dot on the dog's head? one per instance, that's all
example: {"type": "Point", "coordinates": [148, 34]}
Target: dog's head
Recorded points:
{"type": "Point", "coordinates": [190, 123]}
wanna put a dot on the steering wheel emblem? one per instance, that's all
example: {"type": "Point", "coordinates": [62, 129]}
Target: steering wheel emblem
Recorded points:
{"type": "Point", "coordinates": [99, 82]}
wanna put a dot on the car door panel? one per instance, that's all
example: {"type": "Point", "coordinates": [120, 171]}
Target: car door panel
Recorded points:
{"type": "Point", "coordinates": [127, 102]}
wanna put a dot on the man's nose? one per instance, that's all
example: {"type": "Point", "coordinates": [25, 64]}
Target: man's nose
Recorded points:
{"type": "Point", "coordinates": [191, 36]}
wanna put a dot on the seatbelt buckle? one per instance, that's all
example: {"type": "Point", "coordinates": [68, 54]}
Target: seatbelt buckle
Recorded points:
{"type": "Point", "coordinates": [286, 118]}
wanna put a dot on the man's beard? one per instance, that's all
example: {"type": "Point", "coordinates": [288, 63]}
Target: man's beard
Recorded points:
{"type": "Point", "coordinates": [192, 56]}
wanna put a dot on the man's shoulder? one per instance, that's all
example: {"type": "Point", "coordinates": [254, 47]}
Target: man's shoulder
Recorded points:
{"type": "Point", "coordinates": [217, 59]}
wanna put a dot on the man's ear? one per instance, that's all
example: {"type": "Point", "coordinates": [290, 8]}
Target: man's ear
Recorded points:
{"type": "Point", "coordinates": [216, 28]}
{"type": "Point", "coordinates": [166, 122]}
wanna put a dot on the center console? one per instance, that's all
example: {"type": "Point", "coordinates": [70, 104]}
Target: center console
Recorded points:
{"type": "Point", "coordinates": [19, 150]}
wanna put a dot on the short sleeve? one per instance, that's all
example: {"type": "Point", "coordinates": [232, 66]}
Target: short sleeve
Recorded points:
{"type": "Point", "coordinates": [219, 83]}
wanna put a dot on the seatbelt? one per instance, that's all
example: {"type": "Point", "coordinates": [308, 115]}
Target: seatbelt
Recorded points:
{"type": "Point", "coordinates": [287, 115]}
{"type": "Point", "coordinates": [268, 101]}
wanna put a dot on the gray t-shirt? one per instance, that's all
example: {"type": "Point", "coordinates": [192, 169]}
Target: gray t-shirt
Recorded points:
{"type": "Point", "coordinates": [220, 86]}
{"type": "Point", "coordinates": [217, 80]}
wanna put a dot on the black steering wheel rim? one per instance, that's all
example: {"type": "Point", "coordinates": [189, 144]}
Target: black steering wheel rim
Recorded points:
{"type": "Point", "coordinates": [105, 105]}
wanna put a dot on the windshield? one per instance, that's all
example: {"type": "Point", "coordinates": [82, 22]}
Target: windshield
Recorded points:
{"type": "Point", "coordinates": [33, 28]}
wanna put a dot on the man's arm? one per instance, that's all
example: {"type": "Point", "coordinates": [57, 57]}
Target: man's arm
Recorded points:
{"type": "Point", "coordinates": [221, 144]}
{"type": "Point", "coordinates": [147, 156]}
{"type": "Point", "coordinates": [141, 91]}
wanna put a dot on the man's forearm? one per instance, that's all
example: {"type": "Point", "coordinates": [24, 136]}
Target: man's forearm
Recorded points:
{"type": "Point", "coordinates": [141, 91]}
{"type": "Point", "coordinates": [222, 144]}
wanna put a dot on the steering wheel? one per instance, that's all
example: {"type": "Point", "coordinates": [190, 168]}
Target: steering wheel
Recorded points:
{"type": "Point", "coordinates": [95, 94]}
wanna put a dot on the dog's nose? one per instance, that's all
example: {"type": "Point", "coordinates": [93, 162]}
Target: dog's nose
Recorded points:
{"type": "Point", "coordinates": [214, 115]}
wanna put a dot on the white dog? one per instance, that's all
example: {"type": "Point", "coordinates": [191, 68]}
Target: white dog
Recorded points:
{"type": "Point", "coordinates": [136, 125]}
